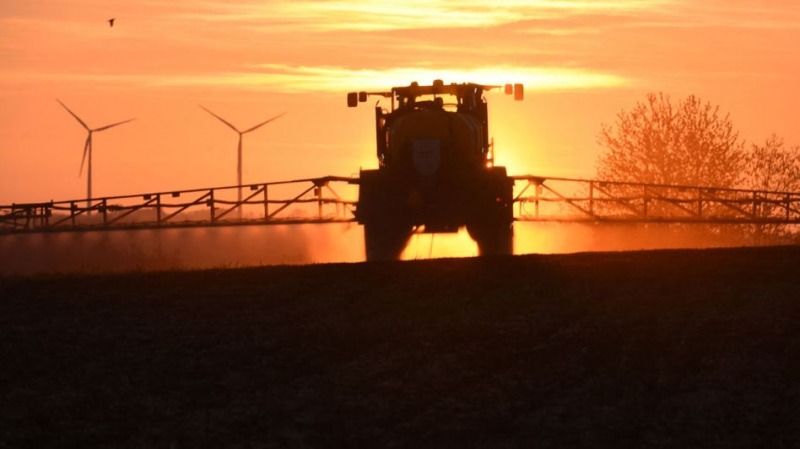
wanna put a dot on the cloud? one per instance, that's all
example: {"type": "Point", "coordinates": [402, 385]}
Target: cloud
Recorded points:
{"type": "Point", "coordinates": [367, 15]}
{"type": "Point", "coordinates": [343, 79]}
{"type": "Point", "coordinates": [298, 79]}
{"type": "Point", "coordinates": [312, 45]}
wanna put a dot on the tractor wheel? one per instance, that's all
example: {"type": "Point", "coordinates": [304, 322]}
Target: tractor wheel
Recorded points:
{"type": "Point", "coordinates": [494, 237]}
{"type": "Point", "coordinates": [491, 223]}
{"type": "Point", "coordinates": [386, 231]}
{"type": "Point", "coordinates": [385, 241]}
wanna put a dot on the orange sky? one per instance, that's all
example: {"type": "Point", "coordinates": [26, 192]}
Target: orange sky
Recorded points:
{"type": "Point", "coordinates": [581, 62]}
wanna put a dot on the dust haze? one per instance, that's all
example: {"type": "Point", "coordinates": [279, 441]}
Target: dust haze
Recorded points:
{"type": "Point", "coordinates": [178, 249]}
{"type": "Point", "coordinates": [244, 246]}
{"type": "Point", "coordinates": [559, 238]}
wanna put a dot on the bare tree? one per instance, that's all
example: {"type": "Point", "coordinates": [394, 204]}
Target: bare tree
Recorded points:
{"type": "Point", "coordinates": [683, 143]}
{"type": "Point", "coordinates": [774, 169]}
{"type": "Point", "coordinates": [773, 166]}
{"type": "Point", "coordinates": [688, 143]}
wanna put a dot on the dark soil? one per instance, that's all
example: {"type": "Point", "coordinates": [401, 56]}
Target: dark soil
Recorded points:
{"type": "Point", "coordinates": [643, 349]}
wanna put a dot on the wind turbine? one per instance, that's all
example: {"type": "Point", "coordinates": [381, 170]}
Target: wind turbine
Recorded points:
{"type": "Point", "coordinates": [239, 147]}
{"type": "Point", "coordinates": [87, 150]}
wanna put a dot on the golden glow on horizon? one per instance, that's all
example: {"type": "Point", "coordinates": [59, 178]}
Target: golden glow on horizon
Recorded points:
{"type": "Point", "coordinates": [337, 79]}
{"type": "Point", "coordinates": [425, 246]}
{"type": "Point", "coordinates": [287, 79]}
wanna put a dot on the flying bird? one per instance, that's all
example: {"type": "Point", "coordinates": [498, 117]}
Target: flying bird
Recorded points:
{"type": "Point", "coordinates": [111, 22]}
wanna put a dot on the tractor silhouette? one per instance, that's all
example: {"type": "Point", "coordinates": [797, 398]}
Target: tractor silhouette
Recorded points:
{"type": "Point", "coordinates": [436, 172]}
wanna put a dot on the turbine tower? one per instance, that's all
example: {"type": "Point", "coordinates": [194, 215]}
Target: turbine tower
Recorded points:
{"type": "Point", "coordinates": [87, 150]}
{"type": "Point", "coordinates": [239, 147]}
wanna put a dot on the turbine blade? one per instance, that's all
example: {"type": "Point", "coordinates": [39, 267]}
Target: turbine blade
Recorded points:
{"type": "Point", "coordinates": [74, 115]}
{"type": "Point", "coordinates": [264, 123]}
{"type": "Point", "coordinates": [113, 125]}
{"type": "Point", "coordinates": [220, 118]}
{"type": "Point", "coordinates": [85, 152]}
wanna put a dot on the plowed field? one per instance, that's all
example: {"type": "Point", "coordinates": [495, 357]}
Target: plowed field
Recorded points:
{"type": "Point", "coordinates": [695, 348]}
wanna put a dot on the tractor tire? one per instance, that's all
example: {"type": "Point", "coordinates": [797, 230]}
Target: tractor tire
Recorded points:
{"type": "Point", "coordinates": [386, 229]}
{"type": "Point", "coordinates": [492, 221]}
{"type": "Point", "coordinates": [494, 237]}
{"type": "Point", "coordinates": [385, 241]}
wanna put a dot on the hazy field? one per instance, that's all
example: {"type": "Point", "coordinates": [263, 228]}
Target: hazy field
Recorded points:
{"type": "Point", "coordinates": [247, 246]}
{"type": "Point", "coordinates": [639, 349]}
